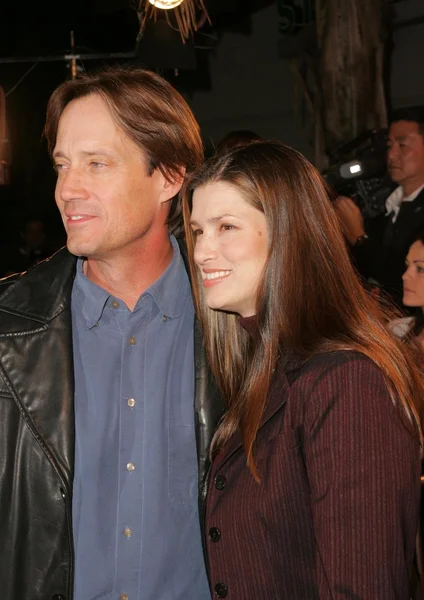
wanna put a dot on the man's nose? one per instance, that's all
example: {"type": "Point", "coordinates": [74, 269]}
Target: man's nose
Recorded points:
{"type": "Point", "coordinates": [70, 185]}
{"type": "Point", "coordinates": [392, 152]}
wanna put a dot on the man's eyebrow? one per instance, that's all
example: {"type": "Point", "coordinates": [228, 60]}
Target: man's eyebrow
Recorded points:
{"type": "Point", "coordinates": [403, 138]}
{"type": "Point", "coordinates": [86, 153]}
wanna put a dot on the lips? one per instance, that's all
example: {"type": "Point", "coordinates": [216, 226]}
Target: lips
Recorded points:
{"type": "Point", "coordinates": [78, 219]}
{"type": "Point", "coordinates": [212, 277]}
{"type": "Point", "coordinates": [209, 275]}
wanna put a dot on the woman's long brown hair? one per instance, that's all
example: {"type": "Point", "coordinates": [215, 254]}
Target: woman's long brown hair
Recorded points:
{"type": "Point", "coordinates": [309, 300]}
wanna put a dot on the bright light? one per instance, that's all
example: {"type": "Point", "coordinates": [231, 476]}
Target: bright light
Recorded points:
{"type": "Point", "coordinates": [351, 169]}
{"type": "Point", "coordinates": [166, 4]}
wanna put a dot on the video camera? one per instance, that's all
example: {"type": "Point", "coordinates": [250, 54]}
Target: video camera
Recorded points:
{"type": "Point", "coordinates": [358, 169]}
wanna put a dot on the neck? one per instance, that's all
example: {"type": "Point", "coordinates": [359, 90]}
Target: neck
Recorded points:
{"type": "Point", "coordinates": [409, 187]}
{"type": "Point", "coordinates": [131, 272]}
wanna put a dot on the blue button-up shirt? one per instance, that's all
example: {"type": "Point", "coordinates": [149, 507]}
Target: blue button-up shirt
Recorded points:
{"type": "Point", "coordinates": [135, 516]}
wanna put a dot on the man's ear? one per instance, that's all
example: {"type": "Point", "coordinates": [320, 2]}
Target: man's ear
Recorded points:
{"type": "Point", "coordinates": [173, 183]}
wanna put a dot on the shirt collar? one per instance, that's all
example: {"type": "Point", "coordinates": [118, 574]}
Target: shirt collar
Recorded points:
{"type": "Point", "coordinates": [168, 292]}
{"type": "Point", "coordinates": [91, 297]}
{"type": "Point", "coordinates": [396, 198]}
{"type": "Point", "coordinates": [172, 288]}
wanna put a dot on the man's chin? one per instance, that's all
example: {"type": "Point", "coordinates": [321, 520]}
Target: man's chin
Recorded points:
{"type": "Point", "coordinates": [396, 175]}
{"type": "Point", "coordinates": [78, 249]}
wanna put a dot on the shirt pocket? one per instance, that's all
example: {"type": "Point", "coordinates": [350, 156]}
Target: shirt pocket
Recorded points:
{"type": "Point", "coordinates": [182, 465]}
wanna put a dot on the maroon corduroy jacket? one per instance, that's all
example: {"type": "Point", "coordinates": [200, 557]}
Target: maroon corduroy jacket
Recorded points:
{"type": "Point", "coordinates": [335, 514]}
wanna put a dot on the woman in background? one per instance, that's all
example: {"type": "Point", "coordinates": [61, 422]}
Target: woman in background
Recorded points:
{"type": "Point", "coordinates": [315, 483]}
{"type": "Point", "coordinates": [413, 295]}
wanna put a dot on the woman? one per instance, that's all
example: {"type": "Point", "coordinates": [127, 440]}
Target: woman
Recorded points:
{"type": "Point", "coordinates": [413, 295]}
{"type": "Point", "coordinates": [314, 487]}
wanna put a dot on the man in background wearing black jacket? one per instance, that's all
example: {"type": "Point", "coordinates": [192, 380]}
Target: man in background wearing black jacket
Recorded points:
{"type": "Point", "coordinates": [380, 248]}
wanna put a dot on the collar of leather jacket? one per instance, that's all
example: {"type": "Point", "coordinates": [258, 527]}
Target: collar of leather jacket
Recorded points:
{"type": "Point", "coordinates": [41, 295]}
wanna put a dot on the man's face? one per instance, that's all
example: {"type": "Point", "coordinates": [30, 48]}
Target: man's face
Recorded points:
{"type": "Point", "coordinates": [405, 156]}
{"type": "Point", "coordinates": [109, 204]}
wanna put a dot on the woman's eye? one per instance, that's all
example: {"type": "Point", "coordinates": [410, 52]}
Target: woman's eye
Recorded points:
{"type": "Point", "coordinates": [197, 232]}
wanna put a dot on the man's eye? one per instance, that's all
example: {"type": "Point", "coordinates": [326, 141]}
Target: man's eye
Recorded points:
{"type": "Point", "coordinates": [96, 165]}
{"type": "Point", "coordinates": [58, 167]}
{"type": "Point", "coordinates": [420, 269]}
{"type": "Point", "coordinates": [227, 227]}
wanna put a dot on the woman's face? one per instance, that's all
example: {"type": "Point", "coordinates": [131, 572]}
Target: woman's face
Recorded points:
{"type": "Point", "coordinates": [413, 278]}
{"type": "Point", "coordinates": [231, 247]}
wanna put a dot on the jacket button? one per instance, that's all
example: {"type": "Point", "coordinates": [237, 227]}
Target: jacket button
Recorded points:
{"type": "Point", "coordinates": [220, 482]}
{"type": "Point", "coordinates": [221, 590]}
{"type": "Point", "coordinates": [214, 534]}
{"type": "Point", "coordinates": [58, 597]}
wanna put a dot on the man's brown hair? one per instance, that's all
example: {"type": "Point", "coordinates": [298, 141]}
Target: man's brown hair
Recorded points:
{"type": "Point", "coordinates": [149, 111]}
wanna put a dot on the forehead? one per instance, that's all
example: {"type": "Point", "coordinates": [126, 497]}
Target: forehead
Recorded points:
{"type": "Point", "coordinates": [216, 196]}
{"type": "Point", "coordinates": [416, 252]}
{"type": "Point", "coordinates": [87, 123]}
{"type": "Point", "coordinates": [403, 129]}
{"type": "Point", "coordinates": [87, 109]}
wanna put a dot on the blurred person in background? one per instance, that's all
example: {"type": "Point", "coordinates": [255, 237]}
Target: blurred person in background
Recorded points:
{"type": "Point", "coordinates": [413, 295]}
{"type": "Point", "coordinates": [237, 138]}
{"type": "Point", "coordinates": [32, 247]}
{"type": "Point", "coordinates": [380, 251]}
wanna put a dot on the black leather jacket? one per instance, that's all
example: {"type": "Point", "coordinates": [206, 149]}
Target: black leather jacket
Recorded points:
{"type": "Point", "coordinates": [37, 431]}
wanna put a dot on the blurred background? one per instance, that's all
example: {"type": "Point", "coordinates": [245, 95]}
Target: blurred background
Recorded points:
{"type": "Point", "coordinates": [319, 75]}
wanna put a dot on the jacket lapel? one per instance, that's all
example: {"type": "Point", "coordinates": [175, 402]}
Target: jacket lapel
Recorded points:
{"type": "Point", "coordinates": [277, 397]}
{"type": "Point", "coordinates": [36, 361]}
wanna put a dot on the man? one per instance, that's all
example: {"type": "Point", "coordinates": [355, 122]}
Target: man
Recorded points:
{"type": "Point", "coordinates": [101, 363]}
{"type": "Point", "coordinates": [33, 247]}
{"type": "Point", "coordinates": [380, 247]}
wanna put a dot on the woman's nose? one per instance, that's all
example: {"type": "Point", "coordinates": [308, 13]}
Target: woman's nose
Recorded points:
{"type": "Point", "coordinates": [406, 274]}
{"type": "Point", "coordinates": [204, 249]}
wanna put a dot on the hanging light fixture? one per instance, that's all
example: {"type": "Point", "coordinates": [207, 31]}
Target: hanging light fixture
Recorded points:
{"type": "Point", "coordinates": [166, 4]}
{"type": "Point", "coordinates": [182, 13]}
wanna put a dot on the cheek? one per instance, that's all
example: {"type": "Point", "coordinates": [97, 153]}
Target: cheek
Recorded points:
{"type": "Point", "coordinates": [419, 288]}
{"type": "Point", "coordinates": [409, 158]}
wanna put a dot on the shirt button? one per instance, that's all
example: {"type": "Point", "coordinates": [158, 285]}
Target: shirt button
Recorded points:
{"type": "Point", "coordinates": [221, 590]}
{"type": "Point", "coordinates": [131, 402]}
{"type": "Point", "coordinates": [214, 534]}
{"type": "Point", "coordinates": [130, 467]}
{"type": "Point", "coordinates": [127, 532]}
{"type": "Point", "coordinates": [123, 597]}
{"type": "Point", "coordinates": [115, 304]}
{"type": "Point", "coordinates": [164, 318]}
{"type": "Point", "coordinates": [132, 340]}
{"type": "Point", "coordinates": [220, 482]}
